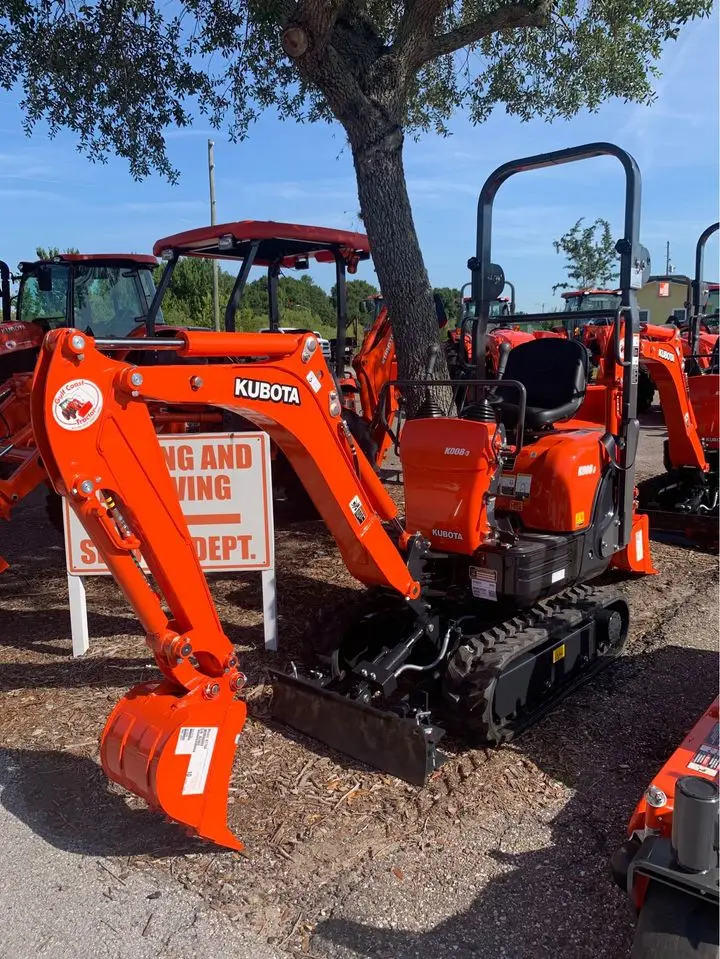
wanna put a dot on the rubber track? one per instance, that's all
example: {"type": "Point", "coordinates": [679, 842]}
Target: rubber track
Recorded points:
{"type": "Point", "coordinates": [470, 678]}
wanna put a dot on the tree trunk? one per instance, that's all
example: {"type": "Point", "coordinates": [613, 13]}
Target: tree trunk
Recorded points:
{"type": "Point", "coordinates": [399, 264]}
{"type": "Point", "coordinates": [337, 49]}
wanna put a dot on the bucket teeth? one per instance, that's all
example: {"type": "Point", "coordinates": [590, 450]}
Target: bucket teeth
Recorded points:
{"type": "Point", "coordinates": [402, 747]}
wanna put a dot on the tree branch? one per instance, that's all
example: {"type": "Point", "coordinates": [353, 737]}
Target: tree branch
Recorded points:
{"type": "Point", "coordinates": [416, 28]}
{"type": "Point", "coordinates": [511, 16]}
{"type": "Point", "coordinates": [310, 26]}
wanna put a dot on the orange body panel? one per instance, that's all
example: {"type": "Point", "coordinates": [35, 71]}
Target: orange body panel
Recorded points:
{"type": "Point", "coordinates": [447, 467]}
{"type": "Point", "coordinates": [697, 755]}
{"type": "Point", "coordinates": [593, 408]}
{"type": "Point", "coordinates": [678, 765]}
{"type": "Point", "coordinates": [554, 481]}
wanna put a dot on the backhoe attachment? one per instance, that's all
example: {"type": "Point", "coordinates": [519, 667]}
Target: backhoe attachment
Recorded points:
{"type": "Point", "coordinates": [172, 742]}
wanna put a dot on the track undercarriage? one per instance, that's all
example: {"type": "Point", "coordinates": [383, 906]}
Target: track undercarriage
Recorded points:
{"type": "Point", "coordinates": [392, 687]}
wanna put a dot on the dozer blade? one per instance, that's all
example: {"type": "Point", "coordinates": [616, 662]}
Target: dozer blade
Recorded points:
{"type": "Point", "coordinates": [175, 750]}
{"type": "Point", "coordinates": [635, 557]}
{"type": "Point", "coordinates": [685, 529]}
{"type": "Point", "coordinates": [391, 743]}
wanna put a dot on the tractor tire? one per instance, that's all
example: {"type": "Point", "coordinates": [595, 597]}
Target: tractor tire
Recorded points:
{"type": "Point", "coordinates": [675, 925]}
{"type": "Point", "coordinates": [646, 391]}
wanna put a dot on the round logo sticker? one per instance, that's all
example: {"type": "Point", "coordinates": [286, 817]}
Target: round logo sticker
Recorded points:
{"type": "Point", "coordinates": [77, 405]}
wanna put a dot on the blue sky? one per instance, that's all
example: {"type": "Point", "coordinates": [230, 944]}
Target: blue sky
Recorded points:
{"type": "Point", "coordinates": [52, 196]}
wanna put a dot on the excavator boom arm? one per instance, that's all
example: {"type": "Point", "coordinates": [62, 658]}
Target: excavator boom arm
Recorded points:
{"type": "Point", "coordinates": [96, 437]}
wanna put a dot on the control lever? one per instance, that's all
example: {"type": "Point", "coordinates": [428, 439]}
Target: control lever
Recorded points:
{"type": "Point", "coordinates": [502, 359]}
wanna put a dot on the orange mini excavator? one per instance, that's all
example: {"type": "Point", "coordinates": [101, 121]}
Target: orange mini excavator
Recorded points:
{"type": "Point", "coordinates": [484, 619]}
{"type": "Point", "coordinates": [683, 502]}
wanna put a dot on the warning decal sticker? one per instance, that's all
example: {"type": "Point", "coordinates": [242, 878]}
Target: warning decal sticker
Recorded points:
{"type": "Point", "coordinates": [357, 509]}
{"type": "Point", "coordinates": [523, 482]}
{"type": "Point", "coordinates": [507, 484]}
{"type": "Point", "coordinates": [705, 759]}
{"type": "Point", "coordinates": [483, 583]}
{"type": "Point", "coordinates": [77, 405]}
{"type": "Point", "coordinates": [197, 742]}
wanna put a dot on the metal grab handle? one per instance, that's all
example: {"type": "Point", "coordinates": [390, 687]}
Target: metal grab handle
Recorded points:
{"type": "Point", "coordinates": [617, 340]}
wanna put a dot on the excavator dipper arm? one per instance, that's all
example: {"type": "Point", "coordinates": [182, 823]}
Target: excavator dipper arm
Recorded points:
{"type": "Point", "coordinates": [665, 361]}
{"type": "Point", "coordinates": [173, 742]}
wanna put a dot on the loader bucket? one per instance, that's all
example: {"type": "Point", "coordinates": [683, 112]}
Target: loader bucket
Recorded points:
{"type": "Point", "coordinates": [175, 750]}
{"type": "Point", "coordinates": [379, 738]}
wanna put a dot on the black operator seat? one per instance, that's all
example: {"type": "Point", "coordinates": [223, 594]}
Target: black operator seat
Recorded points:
{"type": "Point", "coordinates": [554, 372]}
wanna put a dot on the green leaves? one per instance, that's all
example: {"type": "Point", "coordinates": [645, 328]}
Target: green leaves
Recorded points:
{"type": "Point", "coordinates": [118, 73]}
{"type": "Point", "coordinates": [591, 257]}
{"type": "Point", "coordinates": [188, 301]}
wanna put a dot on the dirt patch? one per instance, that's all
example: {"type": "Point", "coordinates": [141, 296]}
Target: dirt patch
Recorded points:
{"type": "Point", "coordinates": [336, 853]}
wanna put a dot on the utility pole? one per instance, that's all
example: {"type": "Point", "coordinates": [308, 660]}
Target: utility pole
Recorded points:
{"type": "Point", "coordinates": [211, 174]}
{"type": "Point", "coordinates": [668, 264]}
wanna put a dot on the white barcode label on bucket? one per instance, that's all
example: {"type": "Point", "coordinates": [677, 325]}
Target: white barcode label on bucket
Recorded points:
{"type": "Point", "coordinates": [198, 743]}
{"type": "Point", "coordinates": [639, 545]}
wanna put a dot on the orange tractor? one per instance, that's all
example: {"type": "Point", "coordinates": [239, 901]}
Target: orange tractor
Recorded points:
{"type": "Point", "coordinates": [103, 294]}
{"type": "Point", "coordinates": [278, 247]}
{"type": "Point", "coordinates": [483, 618]}
{"type": "Point", "coordinates": [596, 334]}
{"type": "Point", "coordinates": [668, 866]}
{"type": "Point", "coordinates": [503, 334]}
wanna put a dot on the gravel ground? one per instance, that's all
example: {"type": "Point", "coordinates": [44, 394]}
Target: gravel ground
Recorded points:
{"type": "Point", "coordinates": [504, 853]}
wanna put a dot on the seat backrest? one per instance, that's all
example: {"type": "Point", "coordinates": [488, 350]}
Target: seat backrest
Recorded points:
{"type": "Point", "coordinates": [553, 370]}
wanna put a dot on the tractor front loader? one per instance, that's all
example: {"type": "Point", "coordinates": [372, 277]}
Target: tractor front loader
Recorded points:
{"type": "Point", "coordinates": [483, 620]}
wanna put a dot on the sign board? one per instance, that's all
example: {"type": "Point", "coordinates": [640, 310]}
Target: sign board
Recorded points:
{"type": "Point", "coordinates": [224, 485]}
{"type": "Point", "coordinates": [664, 288]}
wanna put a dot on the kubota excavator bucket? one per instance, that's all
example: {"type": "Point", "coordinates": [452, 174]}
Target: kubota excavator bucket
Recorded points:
{"type": "Point", "coordinates": [175, 750]}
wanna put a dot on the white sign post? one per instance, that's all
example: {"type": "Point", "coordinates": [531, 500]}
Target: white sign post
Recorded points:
{"type": "Point", "coordinates": [225, 490]}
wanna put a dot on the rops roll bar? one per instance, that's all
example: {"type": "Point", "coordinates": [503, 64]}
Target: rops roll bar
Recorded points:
{"type": "Point", "coordinates": [488, 279]}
